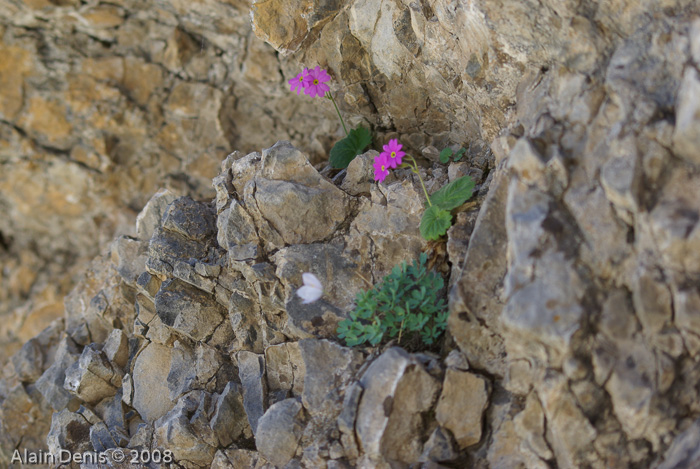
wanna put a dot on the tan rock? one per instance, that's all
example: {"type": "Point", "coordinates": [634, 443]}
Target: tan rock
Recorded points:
{"type": "Point", "coordinates": [463, 400]}
{"type": "Point", "coordinates": [45, 120]}
{"type": "Point", "coordinates": [104, 16]}
{"type": "Point", "coordinates": [15, 66]}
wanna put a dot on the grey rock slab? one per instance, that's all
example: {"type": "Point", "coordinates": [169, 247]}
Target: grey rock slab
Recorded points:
{"type": "Point", "coordinates": [116, 348]}
{"type": "Point", "coordinates": [285, 368]}
{"type": "Point", "coordinates": [301, 214]}
{"type": "Point", "coordinates": [92, 378]}
{"type": "Point", "coordinates": [684, 451]}
{"type": "Point", "coordinates": [246, 321]}
{"type": "Point", "coordinates": [182, 376]}
{"type": "Point", "coordinates": [180, 431]}
{"type": "Point", "coordinates": [185, 271]}
{"type": "Point", "coordinates": [279, 431]}
{"type": "Point", "coordinates": [397, 391]}
{"type": "Point", "coordinates": [229, 420]}
{"type": "Point", "coordinates": [129, 257]}
{"type": "Point", "coordinates": [112, 414]}
{"type": "Point", "coordinates": [235, 227]}
{"type": "Point", "coordinates": [251, 371]}
{"type": "Point", "coordinates": [530, 426]}
{"type": "Point", "coordinates": [329, 368]}
{"type": "Point", "coordinates": [631, 387]}
{"type": "Point", "coordinates": [235, 458]}
{"type": "Point", "coordinates": [570, 433]}
{"type": "Point", "coordinates": [194, 220]}
{"type": "Point", "coordinates": [50, 383]}
{"type": "Point", "coordinates": [69, 431]}
{"type": "Point", "coordinates": [439, 447]}
{"type": "Point", "coordinates": [28, 362]}
{"type": "Point", "coordinates": [148, 285]}
{"type": "Point", "coordinates": [675, 223]}
{"type": "Point", "coordinates": [476, 300]}
{"type": "Point", "coordinates": [337, 270]}
{"type": "Point", "coordinates": [100, 438]}
{"type": "Point", "coordinates": [188, 310]}
{"type": "Point", "coordinates": [686, 138]}
{"type": "Point", "coordinates": [150, 373]}
{"type": "Point", "coordinates": [152, 214]}
{"type": "Point", "coordinates": [165, 248]}
{"type": "Point", "coordinates": [360, 174]}
{"type": "Point", "coordinates": [243, 170]}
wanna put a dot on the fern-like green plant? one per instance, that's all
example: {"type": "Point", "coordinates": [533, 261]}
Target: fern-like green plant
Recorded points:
{"type": "Point", "coordinates": [406, 303]}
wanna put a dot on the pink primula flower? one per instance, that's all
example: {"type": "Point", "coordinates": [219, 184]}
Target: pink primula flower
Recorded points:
{"type": "Point", "coordinates": [381, 167]}
{"type": "Point", "coordinates": [315, 83]}
{"type": "Point", "coordinates": [393, 153]}
{"type": "Point", "coordinates": [298, 82]}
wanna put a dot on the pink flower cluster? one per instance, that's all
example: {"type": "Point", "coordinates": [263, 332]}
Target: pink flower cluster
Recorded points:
{"type": "Point", "coordinates": [388, 159]}
{"type": "Point", "coordinates": [313, 82]}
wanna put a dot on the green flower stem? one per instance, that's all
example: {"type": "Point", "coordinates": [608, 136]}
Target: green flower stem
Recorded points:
{"type": "Point", "coordinates": [329, 96]}
{"type": "Point", "coordinates": [414, 169]}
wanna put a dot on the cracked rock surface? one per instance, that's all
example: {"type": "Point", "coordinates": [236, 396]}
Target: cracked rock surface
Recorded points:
{"type": "Point", "coordinates": [573, 337]}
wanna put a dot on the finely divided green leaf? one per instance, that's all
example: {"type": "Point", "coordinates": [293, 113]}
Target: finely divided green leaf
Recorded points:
{"type": "Point", "coordinates": [435, 222]}
{"type": "Point", "coordinates": [345, 150]}
{"type": "Point", "coordinates": [459, 154]}
{"type": "Point", "coordinates": [453, 194]}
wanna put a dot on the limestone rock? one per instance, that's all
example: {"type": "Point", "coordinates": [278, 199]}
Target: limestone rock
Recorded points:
{"type": "Point", "coordinates": [285, 369]}
{"type": "Point", "coordinates": [279, 430]}
{"type": "Point", "coordinates": [180, 430]}
{"type": "Point", "coordinates": [376, 249]}
{"type": "Point", "coordinates": [116, 348]}
{"type": "Point", "coordinates": [188, 310]}
{"type": "Point", "coordinates": [313, 207]}
{"type": "Point", "coordinates": [232, 458]}
{"type": "Point", "coordinates": [340, 277]}
{"type": "Point", "coordinates": [28, 361]}
{"type": "Point", "coordinates": [439, 447]}
{"type": "Point", "coordinates": [360, 174]}
{"type": "Point", "coordinates": [251, 371]}
{"type": "Point", "coordinates": [685, 137]}
{"type": "Point", "coordinates": [397, 391]}
{"type": "Point", "coordinates": [461, 405]}
{"type": "Point", "coordinates": [477, 295]}
{"type": "Point", "coordinates": [229, 420]}
{"type": "Point", "coordinates": [50, 384]}
{"type": "Point", "coordinates": [92, 377]}
{"type": "Point", "coordinates": [69, 431]}
{"type": "Point", "coordinates": [150, 382]}
{"type": "Point", "coordinates": [565, 419]}
{"type": "Point", "coordinates": [329, 367]}
{"type": "Point", "coordinates": [151, 215]}
{"type": "Point", "coordinates": [684, 449]}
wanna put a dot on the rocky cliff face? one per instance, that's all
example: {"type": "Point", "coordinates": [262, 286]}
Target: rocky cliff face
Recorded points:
{"type": "Point", "coordinates": [574, 282]}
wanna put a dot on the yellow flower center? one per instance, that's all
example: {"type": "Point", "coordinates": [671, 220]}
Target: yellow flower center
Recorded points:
{"type": "Point", "coordinates": [301, 79]}
{"type": "Point", "coordinates": [383, 168]}
{"type": "Point", "coordinates": [393, 154]}
{"type": "Point", "coordinates": [315, 82]}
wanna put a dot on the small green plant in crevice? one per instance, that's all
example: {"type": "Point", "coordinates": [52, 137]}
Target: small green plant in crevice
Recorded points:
{"type": "Point", "coordinates": [406, 305]}
{"type": "Point", "coordinates": [447, 153]}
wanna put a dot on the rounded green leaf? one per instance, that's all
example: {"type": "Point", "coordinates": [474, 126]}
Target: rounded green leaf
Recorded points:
{"type": "Point", "coordinates": [345, 150]}
{"type": "Point", "coordinates": [435, 222]}
{"type": "Point", "coordinates": [445, 155]}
